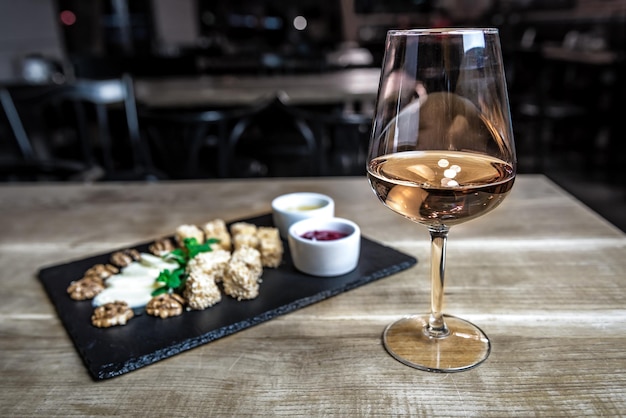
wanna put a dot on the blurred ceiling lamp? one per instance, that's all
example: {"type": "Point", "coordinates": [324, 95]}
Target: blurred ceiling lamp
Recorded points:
{"type": "Point", "coordinates": [68, 18]}
{"type": "Point", "coordinates": [300, 23]}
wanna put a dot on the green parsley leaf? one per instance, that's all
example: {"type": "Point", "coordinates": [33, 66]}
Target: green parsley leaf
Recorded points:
{"type": "Point", "coordinates": [171, 281]}
{"type": "Point", "coordinates": [174, 281]}
{"type": "Point", "coordinates": [179, 255]}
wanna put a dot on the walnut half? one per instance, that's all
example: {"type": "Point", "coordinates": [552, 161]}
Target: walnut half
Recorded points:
{"type": "Point", "coordinates": [125, 257]}
{"type": "Point", "coordinates": [165, 305]}
{"type": "Point", "coordinates": [161, 246]}
{"type": "Point", "coordinates": [111, 314]}
{"type": "Point", "coordinates": [86, 288]}
{"type": "Point", "coordinates": [102, 270]}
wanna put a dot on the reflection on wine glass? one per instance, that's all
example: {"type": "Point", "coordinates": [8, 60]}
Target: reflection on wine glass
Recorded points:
{"type": "Point", "coordinates": [441, 153]}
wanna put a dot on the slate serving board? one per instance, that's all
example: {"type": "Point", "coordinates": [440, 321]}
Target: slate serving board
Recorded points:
{"type": "Point", "coordinates": [145, 340]}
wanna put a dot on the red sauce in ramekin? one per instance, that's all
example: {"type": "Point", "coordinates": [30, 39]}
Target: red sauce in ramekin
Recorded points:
{"type": "Point", "coordinates": [323, 235]}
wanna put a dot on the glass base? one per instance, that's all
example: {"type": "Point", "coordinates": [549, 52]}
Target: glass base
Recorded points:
{"type": "Point", "coordinates": [464, 347]}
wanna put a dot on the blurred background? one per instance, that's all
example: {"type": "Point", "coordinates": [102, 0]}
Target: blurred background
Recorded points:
{"type": "Point", "coordinates": [194, 68]}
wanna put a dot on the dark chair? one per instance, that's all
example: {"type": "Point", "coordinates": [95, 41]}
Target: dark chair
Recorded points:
{"type": "Point", "coordinates": [343, 138]}
{"type": "Point", "coordinates": [93, 122]}
{"type": "Point", "coordinates": [189, 143]}
{"type": "Point", "coordinates": [553, 117]}
{"type": "Point", "coordinates": [273, 140]}
{"type": "Point", "coordinates": [559, 107]}
{"type": "Point", "coordinates": [19, 159]}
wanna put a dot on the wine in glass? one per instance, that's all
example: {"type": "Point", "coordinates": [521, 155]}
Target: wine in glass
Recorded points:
{"type": "Point", "coordinates": [441, 153]}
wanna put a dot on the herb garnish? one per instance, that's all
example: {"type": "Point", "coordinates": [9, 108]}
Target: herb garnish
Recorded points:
{"type": "Point", "coordinates": [171, 280]}
{"type": "Point", "coordinates": [174, 280]}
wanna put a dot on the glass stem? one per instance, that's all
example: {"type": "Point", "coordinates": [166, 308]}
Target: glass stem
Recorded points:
{"type": "Point", "coordinates": [436, 327]}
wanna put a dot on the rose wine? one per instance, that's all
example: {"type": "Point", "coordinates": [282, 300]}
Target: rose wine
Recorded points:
{"type": "Point", "coordinates": [440, 187]}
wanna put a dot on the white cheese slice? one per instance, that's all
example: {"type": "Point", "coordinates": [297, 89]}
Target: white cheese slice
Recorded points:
{"type": "Point", "coordinates": [135, 282]}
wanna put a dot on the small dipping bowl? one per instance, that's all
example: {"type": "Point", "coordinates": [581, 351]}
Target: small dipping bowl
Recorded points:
{"type": "Point", "coordinates": [325, 258]}
{"type": "Point", "coordinates": [293, 207]}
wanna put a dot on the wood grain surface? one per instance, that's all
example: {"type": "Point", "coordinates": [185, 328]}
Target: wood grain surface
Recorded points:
{"type": "Point", "coordinates": [542, 275]}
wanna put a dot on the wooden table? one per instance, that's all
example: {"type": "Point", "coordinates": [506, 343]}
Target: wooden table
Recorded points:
{"type": "Point", "coordinates": [346, 86]}
{"type": "Point", "coordinates": [542, 275]}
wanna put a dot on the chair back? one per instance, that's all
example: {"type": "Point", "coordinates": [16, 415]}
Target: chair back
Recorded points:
{"type": "Point", "coordinates": [24, 147]}
{"type": "Point", "coordinates": [107, 98]}
{"type": "Point", "coordinates": [21, 159]}
{"type": "Point", "coordinates": [95, 121]}
{"type": "Point", "coordinates": [343, 139]}
{"type": "Point", "coordinates": [189, 143]}
{"type": "Point", "coordinates": [268, 139]}
{"type": "Point", "coordinates": [272, 140]}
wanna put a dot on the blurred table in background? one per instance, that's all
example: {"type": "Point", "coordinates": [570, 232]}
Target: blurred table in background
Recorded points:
{"type": "Point", "coordinates": [542, 275]}
{"type": "Point", "coordinates": [346, 86]}
{"type": "Point", "coordinates": [566, 106]}
{"type": "Point", "coordinates": [559, 53]}
{"type": "Point", "coordinates": [604, 93]}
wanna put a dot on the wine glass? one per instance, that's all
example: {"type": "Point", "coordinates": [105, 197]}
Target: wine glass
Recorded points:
{"type": "Point", "coordinates": [441, 153]}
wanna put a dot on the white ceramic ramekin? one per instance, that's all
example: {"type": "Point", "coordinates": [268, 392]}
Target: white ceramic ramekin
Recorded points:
{"type": "Point", "coordinates": [293, 207]}
{"type": "Point", "coordinates": [325, 258]}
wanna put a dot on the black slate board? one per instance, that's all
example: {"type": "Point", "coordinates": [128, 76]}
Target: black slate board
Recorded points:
{"type": "Point", "coordinates": [145, 340]}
